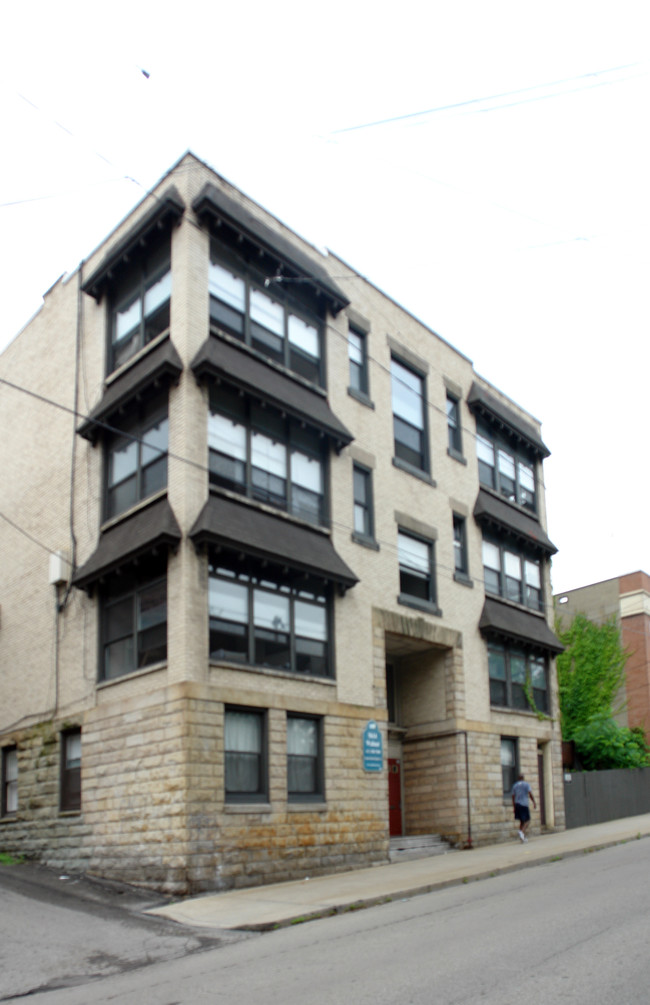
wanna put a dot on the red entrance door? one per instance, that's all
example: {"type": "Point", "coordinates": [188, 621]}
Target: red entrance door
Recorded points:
{"type": "Point", "coordinates": [394, 797]}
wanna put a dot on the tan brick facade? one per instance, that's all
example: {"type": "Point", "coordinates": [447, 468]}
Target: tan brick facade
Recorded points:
{"type": "Point", "coordinates": [154, 808]}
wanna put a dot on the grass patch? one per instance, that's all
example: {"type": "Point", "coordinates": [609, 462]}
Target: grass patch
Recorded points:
{"type": "Point", "coordinates": [6, 859]}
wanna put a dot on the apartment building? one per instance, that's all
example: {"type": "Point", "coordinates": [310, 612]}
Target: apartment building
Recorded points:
{"type": "Point", "coordinates": [275, 570]}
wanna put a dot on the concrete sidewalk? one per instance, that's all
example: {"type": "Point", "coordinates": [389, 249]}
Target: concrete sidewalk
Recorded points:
{"type": "Point", "coordinates": [266, 907]}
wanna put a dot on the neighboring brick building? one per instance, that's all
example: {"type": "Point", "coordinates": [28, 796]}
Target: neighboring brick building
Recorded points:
{"type": "Point", "coordinates": [291, 519]}
{"type": "Point", "coordinates": [627, 600]}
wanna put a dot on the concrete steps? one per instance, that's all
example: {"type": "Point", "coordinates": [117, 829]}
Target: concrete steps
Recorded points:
{"type": "Point", "coordinates": [417, 846]}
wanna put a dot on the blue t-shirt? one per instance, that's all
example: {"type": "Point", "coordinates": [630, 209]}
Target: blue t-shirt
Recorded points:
{"type": "Point", "coordinates": [521, 791]}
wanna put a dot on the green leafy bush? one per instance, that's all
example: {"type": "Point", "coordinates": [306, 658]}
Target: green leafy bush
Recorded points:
{"type": "Point", "coordinates": [601, 744]}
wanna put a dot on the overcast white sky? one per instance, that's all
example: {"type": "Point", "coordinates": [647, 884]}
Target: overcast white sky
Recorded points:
{"type": "Point", "coordinates": [511, 215]}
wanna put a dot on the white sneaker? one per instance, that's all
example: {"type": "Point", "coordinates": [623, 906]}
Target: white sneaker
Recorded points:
{"type": "Point", "coordinates": [521, 835]}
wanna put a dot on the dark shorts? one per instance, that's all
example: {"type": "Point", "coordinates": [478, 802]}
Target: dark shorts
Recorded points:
{"type": "Point", "coordinates": [522, 813]}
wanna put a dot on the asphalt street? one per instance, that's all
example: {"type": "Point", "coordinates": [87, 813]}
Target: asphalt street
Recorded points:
{"type": "Point", "coordinates": [59, 931]}
{"type": "Point", "coordinates": [572, 930]}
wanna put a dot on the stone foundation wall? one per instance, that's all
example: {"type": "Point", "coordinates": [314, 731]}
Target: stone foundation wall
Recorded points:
{"type": "Point", "coordinates": [39, 830]}
{"type": "Point", "coordinates": [435, 787]}
{"type": "Point", "coordinates": [153, 808]}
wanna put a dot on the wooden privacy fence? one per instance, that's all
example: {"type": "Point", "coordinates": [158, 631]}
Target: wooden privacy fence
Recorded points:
{"type": "Point", "coordinates": [592, 797]}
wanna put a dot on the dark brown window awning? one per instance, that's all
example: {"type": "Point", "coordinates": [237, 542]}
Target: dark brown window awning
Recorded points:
{"type": "Point", "coordinates": [240, 529]}
{"type": "Point", "coordinates": [214, 207]}
{"type": "Point", "coordinates": [499, 620]}
{"type": "Point", "coordinates": [240, 368]}
{"type": "Point", "coordinates": [147, 530]}
{"type": "Point", "coordinates": [158, 368]}
{"type": "Point", "coordinates": [165, 214]}
{"type": "Point", "coordinates": [161, 219]}
{"type": "Point", "coordinates": [491, 512]}
{"type": "Point", "coordinates": [484, 404]}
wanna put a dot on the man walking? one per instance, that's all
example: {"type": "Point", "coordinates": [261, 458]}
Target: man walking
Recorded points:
{"type": "Point", "coordinates": [521, 793]}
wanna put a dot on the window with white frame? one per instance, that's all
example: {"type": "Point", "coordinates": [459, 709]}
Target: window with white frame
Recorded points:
{"type": "Point", "coordinates": [305, 771]}
{"type": "Point", "coordinates": [264, 316]}
{"type": "Point", "coordinates": [261, 622]}
{"type": "Point", "coordinates": [409, 416]}
{"type": "Point", "coordinates": [245, 750]}
{"type": "Point", "coordinates": [512, 575]}
{"type": "Point", "coordinates": [9, 781]}
{"type": "Point", "coordinates": [265, 456]}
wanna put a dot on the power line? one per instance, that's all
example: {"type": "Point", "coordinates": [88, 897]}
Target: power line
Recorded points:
{"type": "Point", "coordinates": [472, 103]}
{"type": "Point", "coordinates": [337, 524]}
{"type": "Point", "coordinates": [26, 533]}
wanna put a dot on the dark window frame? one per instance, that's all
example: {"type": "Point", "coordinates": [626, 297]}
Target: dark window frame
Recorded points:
{"type": "Point", "coordinates": [69, 777]}
{"type": "Point", "coordinates": [509, 686]}
{"type": "Point", "coordinates": [261, 795]}
{"type": "Point", "coordinates": [363, 503]}
{"type": "Point", "coordinates": [129, 591]}
{"type": "Point", "coordinates": [285, 649]}
{"type": "Point", "coordinates": [317, 794]}
{"type": "Point", "coordinates": [454, 428]}
{"type": "Point", "coordinates": [492, 477]}
{"type": "Point", "coordinates": [406, 455]}
{"type": "Point", "coordinates": [426, 597]}
{"type": "Point", "coordinates": [461, 555]}
{"type": "Point", "coordinates": [9, 793]}
{"type": "Point", "coordinates": [130, 287]}
{"type": "Point", "coordinates": [359, 384]}
{"type": "Point", "coordinates": [509, 772]}
{"type": "Point", "coordinates": [283, 430]}
{"type": "Point", "coordinates": [240, 324]}
{"type": "Point", "coordinates": [139, 422]}
{"type": "Point", "coordinates": [528, 594]}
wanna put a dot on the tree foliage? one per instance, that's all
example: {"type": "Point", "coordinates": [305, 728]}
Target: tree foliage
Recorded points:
{"type": "Point", "coordinates": [591, 672]}
{"type": "Point", "coordinates": [602, 744]}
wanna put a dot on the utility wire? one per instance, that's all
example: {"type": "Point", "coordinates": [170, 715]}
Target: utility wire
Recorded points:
{"type": "Point", "coordinates": [340, 525]}
{"type": "Point", "coordinates": [473, 103]}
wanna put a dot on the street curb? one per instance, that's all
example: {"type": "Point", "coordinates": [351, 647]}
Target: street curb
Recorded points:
{"type": "Point", "coordinates": [420, 890]}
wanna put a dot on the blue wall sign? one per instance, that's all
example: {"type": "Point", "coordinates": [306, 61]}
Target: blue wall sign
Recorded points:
{"type": "Point", "coordinates": [373, 748]}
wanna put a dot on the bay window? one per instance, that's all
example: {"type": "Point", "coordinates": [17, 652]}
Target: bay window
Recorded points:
{"type": "Point", "coordinates": [140, 308]}
{"type": "Point", "coordinates": [258, 621]}
{"type": "Point", "coordinates": [136, 458]}
{"type": "Point", "coordinates": [508, 471]}
{"type": "Point", "coordinates": [242, 305]}
{"type": "Point", "coordinates": [259, 453]}
{"type": "Point", "coordinates": [512, 575]}
{"type": "Point", "coordinates": [133, 624]}
{"type": "Point", "coordinates": [517, 678]}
